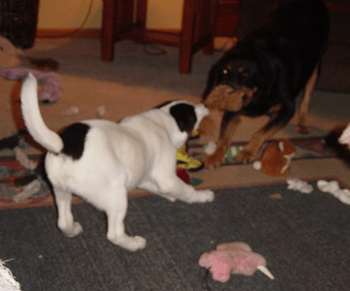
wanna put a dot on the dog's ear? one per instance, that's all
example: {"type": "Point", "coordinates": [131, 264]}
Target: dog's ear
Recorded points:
{"type": "Point", "coordinates": [184, 115]}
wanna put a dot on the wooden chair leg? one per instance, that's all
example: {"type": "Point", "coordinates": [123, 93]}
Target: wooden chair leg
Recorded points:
{"type": "Point", "coordinates": [209, 47]}
{"type": "Point", "coordinates": [108, 30]}
{"type": "Point", "coordinates": [187, 34]}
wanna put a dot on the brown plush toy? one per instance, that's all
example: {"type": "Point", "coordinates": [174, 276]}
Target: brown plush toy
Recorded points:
{"type": "Point", "coordinates": [11, 56]}
{"type": "Point", "coordinates": [276, 158]}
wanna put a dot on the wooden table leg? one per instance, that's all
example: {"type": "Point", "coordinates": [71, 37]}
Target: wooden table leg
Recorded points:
{"type": "Point", "coordinates": [187, 34]}
{"type": "Point", "coordinates": [108, 30]}
{"type": "Point", "coordinates": [209, 47]}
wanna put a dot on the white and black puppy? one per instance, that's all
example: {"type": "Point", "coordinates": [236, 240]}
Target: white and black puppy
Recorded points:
{"type": "Point", "coordinates": [101, 160]}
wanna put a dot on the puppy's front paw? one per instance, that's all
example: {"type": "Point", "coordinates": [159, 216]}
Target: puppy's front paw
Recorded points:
{"type": "Point", "coordinates": [214, 160]}
{"type": "Point", "coordinates": [130, 243]}
{"type": "Point", "coordinates": [204, 196]}
{"type": "Point", "coordinates": [74, 230]}
{"type": "Point", "coordinates": [244, 156]}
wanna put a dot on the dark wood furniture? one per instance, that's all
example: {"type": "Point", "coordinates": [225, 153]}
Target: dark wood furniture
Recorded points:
{"type": "Point", "coordinates": [122, 19]}
{"type": "Point", "coordinates": [228, 18]}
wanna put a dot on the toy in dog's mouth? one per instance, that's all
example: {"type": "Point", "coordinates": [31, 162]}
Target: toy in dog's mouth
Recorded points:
{"type": "Point", "coordinates": [229, 98]}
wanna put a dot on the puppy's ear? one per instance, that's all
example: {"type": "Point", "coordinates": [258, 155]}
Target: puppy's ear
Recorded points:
{"type": "Point", "coordinates": [184, 115]}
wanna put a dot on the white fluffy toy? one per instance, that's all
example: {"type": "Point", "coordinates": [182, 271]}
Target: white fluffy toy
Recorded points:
{"type": "Point", "coordinates": [7, 281]}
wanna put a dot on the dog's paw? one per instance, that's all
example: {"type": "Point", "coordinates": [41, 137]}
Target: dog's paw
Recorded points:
{"type": "Point", "coordinates": [213, 161]}
{"type": "Point", "coordinates": [131, 243]}
{"type": "Point", "coordinates": [74, 230]}
{"type": "Point", "coordinates": [303, 129]}
{"type": "Point", "coordinates": [203, 196]}
{"type": "Point", "coordinates": [244, 156]}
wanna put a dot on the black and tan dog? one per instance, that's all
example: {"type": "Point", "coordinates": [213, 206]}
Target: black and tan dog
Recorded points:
{"type": "Point", "coordinates": [265, 72]}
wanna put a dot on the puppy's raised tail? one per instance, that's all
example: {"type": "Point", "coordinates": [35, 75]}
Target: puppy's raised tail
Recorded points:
{"type": "Point", "coordinates": [49, 139]}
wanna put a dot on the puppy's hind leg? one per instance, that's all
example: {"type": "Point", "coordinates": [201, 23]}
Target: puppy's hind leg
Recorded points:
{"type": "Point", "coordinates": [116, 211]}
{"type": "Point", "coordinates": [65, 217]}
{"type": "Point", "coordinates": [303, 126]}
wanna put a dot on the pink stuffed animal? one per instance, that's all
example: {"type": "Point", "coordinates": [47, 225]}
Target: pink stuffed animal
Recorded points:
{"type": "Point", "coordinates": [233, 258]}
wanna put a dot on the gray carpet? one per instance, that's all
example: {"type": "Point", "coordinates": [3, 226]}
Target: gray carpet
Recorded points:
{"type": "Point", "coordinates": [304, 237]}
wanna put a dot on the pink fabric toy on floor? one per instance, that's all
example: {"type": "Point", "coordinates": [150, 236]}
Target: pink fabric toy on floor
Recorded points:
{"type": "Point", "coordinates": [50, 92]}
{"type": "Point", "coordinates": [233, 258]}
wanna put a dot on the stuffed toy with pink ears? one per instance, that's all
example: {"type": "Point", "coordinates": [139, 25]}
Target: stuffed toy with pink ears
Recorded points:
{"type": "Point", "coordinates": [233, 258]}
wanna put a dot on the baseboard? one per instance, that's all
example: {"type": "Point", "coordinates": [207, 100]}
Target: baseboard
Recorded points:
{"type": "Point", "coordinates": [96, 33]}
{"type": "Point", "coordinates": [165, 36]}
{"type": "Point", "coordinates": [69, 33]}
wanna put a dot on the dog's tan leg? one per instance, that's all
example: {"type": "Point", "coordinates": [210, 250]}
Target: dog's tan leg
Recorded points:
{"type": "Point", "coordinates": [303, 126]}
{"type": "Point", "coordinates": [65, 217]}
{"type": "Point", "coordinates": [258, 139]}
{"type": "Point", "coordinates": [218, 157]}
{"type": "Point", "coordinates": [116, 211]}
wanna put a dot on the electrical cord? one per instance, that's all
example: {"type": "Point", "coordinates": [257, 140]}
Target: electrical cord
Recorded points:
{"type": "Point", "coordinates": [64, 35]}
{"type": "Point", "coordinates": [148, 48]}
{"type": "Point", "coordinates": [152, 49]}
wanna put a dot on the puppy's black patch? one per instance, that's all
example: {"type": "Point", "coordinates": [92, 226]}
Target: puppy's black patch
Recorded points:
{"type": "Point", "coordinates": [74, 140]}
{"type": "Point", "coordinates": [184, 115]}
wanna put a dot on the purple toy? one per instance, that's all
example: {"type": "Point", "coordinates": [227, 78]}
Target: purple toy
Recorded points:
{"type": "Point", "coordinates": [50, 92]}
